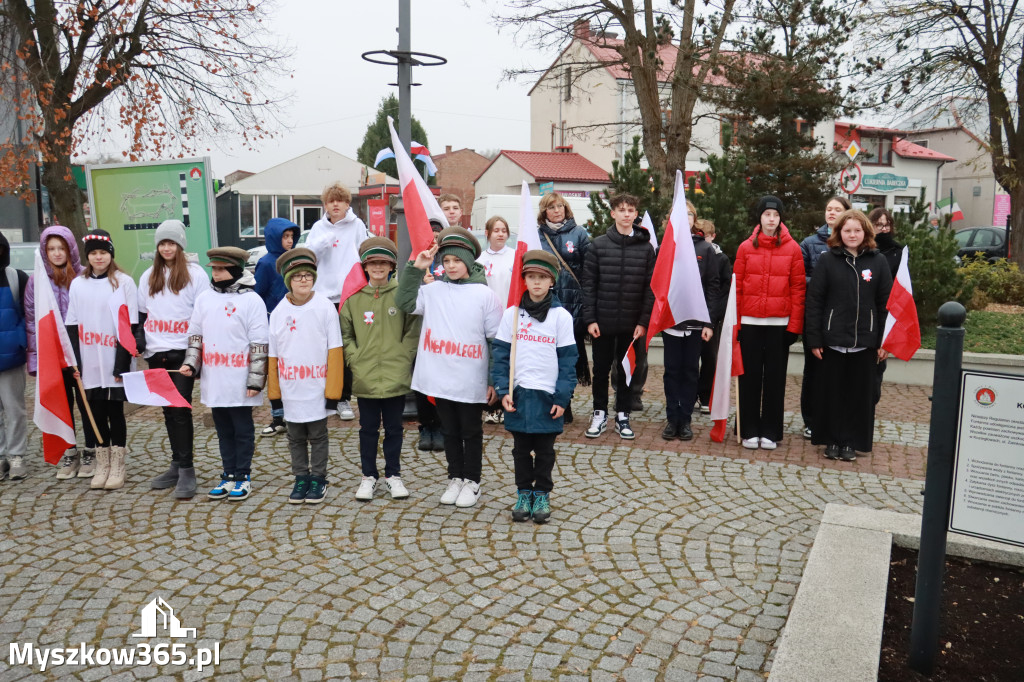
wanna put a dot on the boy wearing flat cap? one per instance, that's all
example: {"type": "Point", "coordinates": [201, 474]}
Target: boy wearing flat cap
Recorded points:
{"type": "Point", "coordinates": [380, 341]}
{"type": "Point", "coordinates": [538, 335]}
{"type": "Point", "coordinates": [305, 372]}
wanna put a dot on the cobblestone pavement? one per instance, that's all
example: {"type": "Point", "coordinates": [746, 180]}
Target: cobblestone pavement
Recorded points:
{"type": "Point", "coordinates": [661, 562]}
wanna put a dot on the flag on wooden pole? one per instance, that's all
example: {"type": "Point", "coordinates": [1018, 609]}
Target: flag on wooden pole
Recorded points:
{"type": "Point", "coordinates": [152, 387]}
{"type": "Point", "coordinates": [730, 364]}
{"type": "Point", "coordinates": [419, 202]}
{"type": "Point", "coordinates": [528, 240]}
{"type": "Point", "coordinates": [629, 362]}
{"type": "Point", "coordinates": [902, 336]}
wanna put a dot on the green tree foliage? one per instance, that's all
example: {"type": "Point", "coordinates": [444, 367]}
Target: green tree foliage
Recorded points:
{"type": "Point", "coordinates": [629, 177]}
{"type": "Point", "coordinates": [786, 83]}
{"type": "Point", "coordinates": [722, 194]}
{"type": "Point", "coordinates": [378, 137]}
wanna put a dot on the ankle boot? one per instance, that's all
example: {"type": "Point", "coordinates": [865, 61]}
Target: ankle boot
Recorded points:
{"type": "Point", "coordinates": [186, 487]}
{"type": "Point", "coordinates": [167, 479]}
{"type": "Point", "coordinates": [99, 478]}
{"type": "Point", "coordinates": [69, 464]}
{"type": "Point", "coordinates": [115, 479]}
{"type": "Point", "coordinates": [88, 466]}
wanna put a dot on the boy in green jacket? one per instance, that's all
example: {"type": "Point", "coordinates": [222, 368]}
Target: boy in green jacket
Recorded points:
{"type": "Point", "coordinates": [380, 342]}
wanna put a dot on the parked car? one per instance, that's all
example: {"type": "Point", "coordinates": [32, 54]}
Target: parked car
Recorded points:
{"type": "Point", "coordinates": [989, 241]}
{"type": "Point", "coordinates": [23, 256]}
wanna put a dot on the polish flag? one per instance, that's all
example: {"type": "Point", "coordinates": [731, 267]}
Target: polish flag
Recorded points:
{"type": "Point", "coordinates": [729, 365]}
{"type": "Point", "coordinates": [420, 203]}
{"type": "Point", "coordinates": [356, 277]}
{"type": "Point", "coordinates": [649, 225]}
{"type": "Point", "coordinates": [528, 240]}
{"type": "Point", "coordinates": [124, 311]}
{"type": "Point", "coordinates": [902, 335]}
{"type": "Point", "coordinates": [629, 363]}
{"type": "Point", "coordinates": [678, 295]}
{"type": "Point", "coordinates": [52, 413]}
{"type": "Point", "coordinates": [152, 387]}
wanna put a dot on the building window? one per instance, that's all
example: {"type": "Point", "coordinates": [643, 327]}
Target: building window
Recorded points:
{"type": "Point", "coordinates": [567, 84]}
{"type": "Point", "coordinates": [877, 149]}
{"type": "Point", "coordinates": [284, 207]}
{"type": "Point", "coordinates": [738, 125]}
{"type": "Point", "coordinates": [902, 204]}
{"type": "Point", "coordinates": [266, 212]}
{"type": "Point", "coordinates": [247, 216]}
{"type": "Point", "coordinates": [921, 143]}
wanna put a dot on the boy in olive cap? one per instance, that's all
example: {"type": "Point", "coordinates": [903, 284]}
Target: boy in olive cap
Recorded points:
{"type": "Point", "coordinates": [539, 335]}
{"type": "Point", "coordinates": [381, 343]}
{"type": "Point", "coordinates": [460, 313]}
{"type": "Point", "coordinates": [305, 373]}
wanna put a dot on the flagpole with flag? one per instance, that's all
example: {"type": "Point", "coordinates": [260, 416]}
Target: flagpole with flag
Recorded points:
{"type": "Point", "coordinates": [527, 240]}
{"type": "Point", "coordinates": [629, 362]}
{"type": "Point", "coordinates": [419, 202]}
{"type": "Point", "coordinates": [649, 224]}
{"type": "Point", "coordinates": [902, 336]}
{"type": "Point", "coordinates": [152, 387]}
{"type": "Point", "coordinates": [728, 366]}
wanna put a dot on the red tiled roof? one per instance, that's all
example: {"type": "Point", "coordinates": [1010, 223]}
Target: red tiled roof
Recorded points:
{"type": "Point", "coordinates": [560, 166]}
{"type": "Point", "coordinates": [844, 132]}
{"type": "Point", "coordinates": [909, 150]}
{"type": "Point", "coordinates": [607, 54]}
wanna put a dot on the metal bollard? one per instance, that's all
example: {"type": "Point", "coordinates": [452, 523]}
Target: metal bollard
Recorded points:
{"type": "Point", "coordinates": [931, 560]}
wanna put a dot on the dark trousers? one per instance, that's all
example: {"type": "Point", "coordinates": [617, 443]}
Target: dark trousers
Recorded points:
{"type": "Point", "coordinates": [609, 349]}
{"type": "Point", "coordinates": [178, 420]}
{"type": "Point", "coordinates": [426, 412]}
{"type": "Point", "coordinates": [74, 396]}
{"type": "Point", "coordinates": [346, 388]}
{"type": "Point", "coordinates": [372, 413]}
{"type": "Point", "coordinates": [109, 416]}
{"type": "Point", "coordinates": [463, 438]}
{"type": "Point", "coordinates": [879, 374]}
{"type": "Point", "coordinates": [708, 360]}
{"type": "Point", "coordinates": [763, 382]}
{"type": "Point", "coordinates": [846, 385]}
{"type": "Point", "coordinates": [237, 437]}
{"type": "Point", "coordinates": [533, 472]}
{"type": "Point", "coordinates": [809, 398]}
{"type": "Point", "coordinates": [682, 353]}
{"type": "Point", "coordinates": [308, 445]}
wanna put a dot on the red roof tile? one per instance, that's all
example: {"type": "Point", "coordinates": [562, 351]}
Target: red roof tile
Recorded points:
{"type": "Point", "coordinates": [559, 166]}
{"type": "Point", "coordinates": [606, 53]}
{"type": "Point", "coordinates": [909, 150]}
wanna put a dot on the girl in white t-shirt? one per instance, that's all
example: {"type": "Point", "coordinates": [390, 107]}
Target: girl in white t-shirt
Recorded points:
{"type": "Point", "coordinates": [167, 294]}
{"type": "Point", "coordinates": [95, 302]}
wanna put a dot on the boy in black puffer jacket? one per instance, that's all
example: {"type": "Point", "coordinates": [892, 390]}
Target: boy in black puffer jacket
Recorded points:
{"type": "Point", "coordinates": [617, 303]}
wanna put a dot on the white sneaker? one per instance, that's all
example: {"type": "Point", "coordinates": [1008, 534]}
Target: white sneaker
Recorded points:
{"type": "Point", "coordinates": [705, 409]}
{"type": "Point", "coordinates": [451, 493]}
{"type": "Point", "coordinates": [491, 417]}
{"type": "Point", "coordinates": [396, 487]}
{"type": "Point", "coordinates": [366, 487]}
{"type": "Point", "coordinates": [767, 444]}
{"type": "Point", "coordinates": [469, 494]}
{"type": "Point", "coordinates": [597, 424]}
{"type": "Point", "coordinates": [18, 470]}
{"type": "Point", "coordinates": [751, 443]}
{"type": "Point", "coordinates": [345, 410]}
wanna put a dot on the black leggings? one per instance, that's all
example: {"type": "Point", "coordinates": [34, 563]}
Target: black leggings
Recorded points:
{"type": "Point", "coordinates": [109, 416]}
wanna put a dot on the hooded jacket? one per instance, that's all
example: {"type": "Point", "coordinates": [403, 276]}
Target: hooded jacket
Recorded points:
{"type": "Point", "coordinates": [380, 341]}
{"type": "Point", "coordinates": [617, 275]}
{"type": "Point", "coordinates": [13, 341]}
{"type": "Point", "coordinates": [846, 300]}
{"type": "Point", "coordinates": [333, 244]}
{"type": "Point", "coordinates": [59, 293]}
{"type": "Point", "coordinates": [812, 247]}
{"type": "Point", "coordinates": [269, 284]}
{"type": "Point", "coordinates": [770, 278]}
{"type": "Point", "coordinates": [572, 243]}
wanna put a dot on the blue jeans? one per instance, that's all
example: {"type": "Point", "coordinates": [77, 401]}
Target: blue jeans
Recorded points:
{"type": "Point", "coordinates": [237, 436]}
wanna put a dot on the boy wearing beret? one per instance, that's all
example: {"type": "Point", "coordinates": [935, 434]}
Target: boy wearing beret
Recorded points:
{"type": "Point", "coordinates": [539, 335]}
{"type": "Point", "coordinates": [305, 372]}
{"type": "Point", "coordinates": [381, 343]}
{"type": "Point", "coordinates": [227, 342]}
{"type": "Point", "coordinates": [460, 313]}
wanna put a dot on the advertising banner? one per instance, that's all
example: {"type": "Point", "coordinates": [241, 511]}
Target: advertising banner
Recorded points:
{"type": "Point", "coordinates": [1000, 209]}
{"type": "Point", "coordinates": [377, 210]}
{"type": "Point", "coordinates": [129, 200]}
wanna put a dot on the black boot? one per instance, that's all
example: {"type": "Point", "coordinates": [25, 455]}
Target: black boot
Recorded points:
{"type": "Point", "coordinates": [671, 431]}
{"type": "Point", "coordinates": [426, 443]}
{"type": "Point", "coordinates": [568, 414]}
{"type": "Point", "coordinates": [685, 432]}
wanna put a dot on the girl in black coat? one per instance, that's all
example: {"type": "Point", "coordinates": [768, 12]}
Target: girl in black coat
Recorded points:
{"type": "Point", "coordinates": [845, 319]}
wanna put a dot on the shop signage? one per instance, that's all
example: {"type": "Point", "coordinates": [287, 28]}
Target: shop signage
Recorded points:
{"type": "Point", "coordinates": [546, 188]}
{"type": "Point", "coordinates": [885, 182]}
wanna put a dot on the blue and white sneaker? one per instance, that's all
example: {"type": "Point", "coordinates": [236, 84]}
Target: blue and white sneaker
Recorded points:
{"type": "Point", "coordinates": [241, 490]}
{"type": "Point", "coordinates": [222, 489]}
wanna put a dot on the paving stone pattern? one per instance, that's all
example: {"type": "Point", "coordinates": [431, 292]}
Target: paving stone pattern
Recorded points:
{"type": "Point", "coordinates": [662, 561]}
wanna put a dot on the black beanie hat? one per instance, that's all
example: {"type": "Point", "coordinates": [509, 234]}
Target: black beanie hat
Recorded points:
{"type": "Point", "coordinates": [766, 203]}
{"type": "Point", "coordinates": [97, 239]}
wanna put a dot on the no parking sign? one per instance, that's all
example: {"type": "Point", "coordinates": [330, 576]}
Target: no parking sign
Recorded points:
{"type": "Point", "coordinates": [849, 178]}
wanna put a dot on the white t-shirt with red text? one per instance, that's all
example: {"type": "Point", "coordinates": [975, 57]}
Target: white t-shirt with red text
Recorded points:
{"type": "Point", "coordinates": [228, 323]}
{"type": "Point", "coordinates": [89, 308]}
{"type": "Point", "coordinates": [537, 345]}
{"type": "Point", "coordinates": [300, 337]}
{"type": "Point", "coordinates": [452, 358]}
{"type": "Point", "coordinates": [168, 314]}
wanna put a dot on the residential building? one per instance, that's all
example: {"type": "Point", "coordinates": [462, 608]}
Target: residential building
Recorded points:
{"type": "Point", "coordinates": [456, 171]}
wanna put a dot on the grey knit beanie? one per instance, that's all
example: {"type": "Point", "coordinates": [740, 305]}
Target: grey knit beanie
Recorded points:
{"type": "Point", "coordinates": [173, 230]}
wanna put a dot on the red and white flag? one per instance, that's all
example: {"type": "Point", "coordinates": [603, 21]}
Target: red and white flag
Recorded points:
{"type": "Point", "coordinates": [152, 387]}
{"type": "Point", "coordinates": [649, 224]}
{"type": "Point", "coordinates": [355, 279]}
{"type": "Point", "coordinates": [53, 348]}
{"type": "Point", "coordinates": [902, 335]}
{"type": "Point", "coordinates": [420, 203]}
{"type": "Point", "coordinates": [629, 362]}
{"type": "Point", "coordinates": [528, 240]}
{"type": "Point", "coordinates": [123, 311]}
{"type": "Point", "coordinates": [678, 295]}
{"type": "Point", "coordinates": [729, 365]}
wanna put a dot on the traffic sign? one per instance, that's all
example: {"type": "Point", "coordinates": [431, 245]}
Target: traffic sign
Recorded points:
{"type": "Point", "coordinates": [852, 150]}
{"type": "Point", "coordinates": [849, 178]}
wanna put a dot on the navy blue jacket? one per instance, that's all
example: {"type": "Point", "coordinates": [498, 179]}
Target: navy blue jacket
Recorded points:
{"type": "Point", "coordinates": [270, 285]}
{"type": "Point", "coordinates": [572, 243]}
{"type": "Point", "coordinates": [812, 247]}
{"type": "Point", "coordinates": [13, 341]}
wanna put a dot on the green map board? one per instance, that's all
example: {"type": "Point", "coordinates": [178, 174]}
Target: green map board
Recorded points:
{"type": "Point", "coordinates": [129, 200]}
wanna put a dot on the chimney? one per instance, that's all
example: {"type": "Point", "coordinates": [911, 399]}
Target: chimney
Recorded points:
{"type": "Point", "coordinates": [447, 149]}
{"type": "Point", "coordinates": [581, 29]}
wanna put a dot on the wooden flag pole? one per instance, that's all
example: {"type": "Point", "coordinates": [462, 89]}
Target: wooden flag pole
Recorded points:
{"type": "Point", "coordinates": [736, 383]}
{"type": "Point", "coordinates": [88, 411]}
{"type": "Point", "coordinates": [512, 351]}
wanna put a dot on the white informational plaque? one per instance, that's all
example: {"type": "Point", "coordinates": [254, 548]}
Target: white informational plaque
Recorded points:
{"type": "Point", "coordinates": [988, 474]}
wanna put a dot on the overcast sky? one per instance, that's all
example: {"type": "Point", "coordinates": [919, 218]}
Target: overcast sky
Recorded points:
{"type": "Point", "coordinates": [464, 103]}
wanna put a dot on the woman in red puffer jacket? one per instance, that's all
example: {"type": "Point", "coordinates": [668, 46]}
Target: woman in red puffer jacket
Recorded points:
{"type": "Point", "coordinates": [770, 288]}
